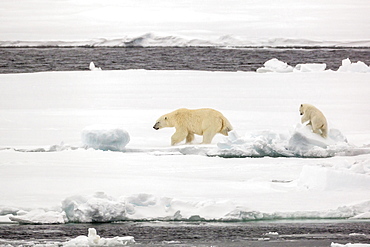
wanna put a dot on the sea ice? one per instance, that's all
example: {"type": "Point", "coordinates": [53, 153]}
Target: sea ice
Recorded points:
{"type": "Point", "coordinates": [349, 245]}
{"type": "Point", "coordinates": [168, 185]}
{"type": "Point", "coordinates": [105, 137]}
{"type": "Point", "coordinates": [93, 68]}
{"type": "Point", "coordinates": [348, 66]}
{"type": "Point", "coordinates": [96, 208]}
{"type": "Point", "coordinates": [310, 67]}
{"type": "Point", "coordinates": [301, 142]}
{"type": "Point", "coordinates": [39, 216]}
{"type": "Point", "coordinates": [93, 239]}
{"type": "Point", "coordinates": [275, 65]}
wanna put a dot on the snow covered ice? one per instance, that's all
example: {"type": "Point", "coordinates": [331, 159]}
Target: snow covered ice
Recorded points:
{"type": "Point", "coordinates": [301, 142]}
{"type": "Point", "coordinates": [44, 182]}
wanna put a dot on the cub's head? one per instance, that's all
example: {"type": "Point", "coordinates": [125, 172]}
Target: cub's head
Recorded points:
{"type": "Point", "coordinates": [302, 109]}
{"type": "Point", "coordinates": [162, 122]}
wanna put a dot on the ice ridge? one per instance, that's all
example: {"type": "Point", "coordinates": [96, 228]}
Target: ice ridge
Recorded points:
{"type": "Point", "coordinates": [151, 39]}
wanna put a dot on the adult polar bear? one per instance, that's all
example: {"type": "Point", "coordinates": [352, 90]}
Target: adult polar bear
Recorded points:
{"type": "Point", "coordinates": [207, 122]}
{"type": "Point", "coordinates": [316, 119]}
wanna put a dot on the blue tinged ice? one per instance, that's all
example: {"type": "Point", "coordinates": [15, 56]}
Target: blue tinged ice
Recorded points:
{"type": "Point", "coordinates": [105, 137]}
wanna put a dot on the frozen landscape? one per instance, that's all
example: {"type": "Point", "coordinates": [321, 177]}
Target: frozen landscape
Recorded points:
{"type": "Point", "coordinates": [79, 147]}
{"type": "Point", "coordinates": [55, 126]}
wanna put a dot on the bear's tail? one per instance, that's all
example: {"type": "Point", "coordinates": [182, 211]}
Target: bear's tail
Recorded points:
{"type": "Point", "coordinates": [226, 127]}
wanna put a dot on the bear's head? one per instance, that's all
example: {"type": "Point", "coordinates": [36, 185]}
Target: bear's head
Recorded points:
{"type": "Point", "coordinates": [162, 122]}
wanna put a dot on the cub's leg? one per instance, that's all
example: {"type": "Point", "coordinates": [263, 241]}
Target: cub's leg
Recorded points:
{"type": "Point", "coordinates": [324, 132]}
{"type": "Point", "coordinates": [304, 119]}
{"type": "Point", "coordinates": [316, 131]}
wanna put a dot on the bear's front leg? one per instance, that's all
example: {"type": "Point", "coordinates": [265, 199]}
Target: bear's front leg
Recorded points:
{"type": "Point", "coordinates": [304, 119]}
{"type": "Point", "coordinates": [178, 136]}
{"type": "Point", "coordinates": [189, 138]}
{"type": "Point", "coordinates": [208, 136]}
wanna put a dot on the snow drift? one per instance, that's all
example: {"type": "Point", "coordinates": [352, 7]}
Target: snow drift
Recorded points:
{"type": "Point", "coordinates": [100, 208]}
{"type": "Point", "coordinates": [300, 142]}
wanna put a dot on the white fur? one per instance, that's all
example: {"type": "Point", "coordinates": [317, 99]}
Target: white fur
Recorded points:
{"type": "Point", "coordinates": [206, 122]}
{"type": "Point", "coordinates": [316, 119]}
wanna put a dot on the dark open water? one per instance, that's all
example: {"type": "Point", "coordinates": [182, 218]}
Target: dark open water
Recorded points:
{"type": "Point", "coordinates": [24, 60]}
{"type": "Point", "coordinates": [197, 234]}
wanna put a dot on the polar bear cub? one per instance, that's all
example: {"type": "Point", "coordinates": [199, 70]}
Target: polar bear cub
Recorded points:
{"type": "Point", "coordinates": [206, 122]}
{"type": "Point", "coordinates": [316, 119]}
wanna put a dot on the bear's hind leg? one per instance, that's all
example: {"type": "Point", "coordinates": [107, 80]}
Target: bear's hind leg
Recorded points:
{"type": "Point", "coordinates": [189, 137]}
{"type": "Point", "coordinates": [178, 136]}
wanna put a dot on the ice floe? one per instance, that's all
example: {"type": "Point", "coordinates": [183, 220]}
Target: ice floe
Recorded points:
{"type": "Point", "coordinates": [93, 68]}
{"type": "Point", "coordinates": [349, 245]}
{"type": "Point", "coordinates": [105, 137]}
{"type": "Point", "coordinates": [348, 66]}
{"type": "Point", "coordinates": [93, 239]}
{"type": "Point", "coordinates": [275, 65]}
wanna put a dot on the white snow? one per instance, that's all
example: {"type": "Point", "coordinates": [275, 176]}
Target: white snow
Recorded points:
{"type": "Point", "coordinates": [47, 176]}
{"type": "Point", "coordinates": [105, 137]}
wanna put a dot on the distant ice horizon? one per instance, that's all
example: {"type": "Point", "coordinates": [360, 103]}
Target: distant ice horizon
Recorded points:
{"type": "Point", "coordinates": [162, 40]}
{"type": "Point", "coordinates": [65, 20]}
